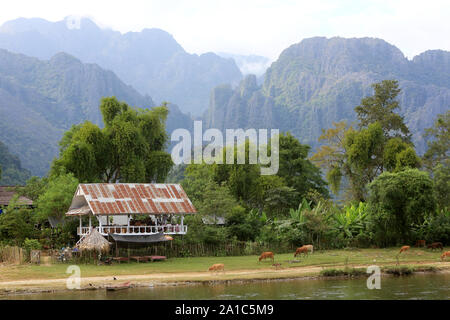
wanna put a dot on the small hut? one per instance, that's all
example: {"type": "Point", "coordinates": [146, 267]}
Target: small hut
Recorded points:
{"type": "Point", "coordinates": [94, 241]}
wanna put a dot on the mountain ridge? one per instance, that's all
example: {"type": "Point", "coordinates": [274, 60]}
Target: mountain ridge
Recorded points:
{"type": "Point", "coordinates": [151, 60]}
{"type": "Point", "coordinates": [320, 80]}
{"type": "Point", "coordinates": [40, 99]}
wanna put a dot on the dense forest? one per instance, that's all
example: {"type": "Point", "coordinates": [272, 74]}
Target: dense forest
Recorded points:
{"type": "Point", "coordinates": [389, 195]}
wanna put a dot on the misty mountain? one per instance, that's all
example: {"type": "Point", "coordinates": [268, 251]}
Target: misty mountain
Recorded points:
{"type": "Point", "coordinates": [319, 81]}
{"type": "Point", "coordinates": [249, 64]}
{"type": "Point", "coordinates": [151, 60]}
{"type": "Point", "coordinates": [40, 99]}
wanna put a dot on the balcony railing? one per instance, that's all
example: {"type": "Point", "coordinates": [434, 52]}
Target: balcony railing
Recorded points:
{"type": "Point", "coordinates": [137, 230]}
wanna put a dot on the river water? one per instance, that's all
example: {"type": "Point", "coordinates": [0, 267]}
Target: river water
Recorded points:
{"type": "Point", "coordinates": [418, 286]}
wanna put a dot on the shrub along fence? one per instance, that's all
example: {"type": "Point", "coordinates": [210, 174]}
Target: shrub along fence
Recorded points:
{"type": "Point", "coordinates": [173, 249]}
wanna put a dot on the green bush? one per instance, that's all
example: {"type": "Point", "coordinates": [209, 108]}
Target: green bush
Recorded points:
{"type": "Point", "coordinates": [435, 228]}
{"type": "Point", "coordinates": [399, 270]}
{"type": "Point", "coordinates": [353, 272]}
{"type": "Point", "coordinates": [31, 244]}
{"type": "Point", "coordinates": [397, 201]}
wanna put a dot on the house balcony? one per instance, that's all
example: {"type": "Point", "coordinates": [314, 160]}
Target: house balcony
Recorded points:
{"type": "Point", "coordinates": [135, 230]}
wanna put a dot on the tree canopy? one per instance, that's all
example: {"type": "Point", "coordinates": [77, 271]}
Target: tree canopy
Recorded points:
{"type": "Point", "coordinates": [381, 107]}
{"type": "Point", "coordinates": [437, 160]}
{"type": "Point", "coordinates": [401, 199]}
{"type": "Point", "coordinates": [381, 142]}
{"type": "Point", "coordinates": [438, 141]}
{"type": "Point", "coordinates": [130, 148]}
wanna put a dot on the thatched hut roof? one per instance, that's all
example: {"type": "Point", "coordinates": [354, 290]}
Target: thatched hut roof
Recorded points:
{"type": "Point", "coordinates": [94, 241]}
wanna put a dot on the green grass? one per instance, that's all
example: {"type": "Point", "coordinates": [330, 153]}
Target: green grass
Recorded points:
{"type": "Point", "coordinates": [325, 259]}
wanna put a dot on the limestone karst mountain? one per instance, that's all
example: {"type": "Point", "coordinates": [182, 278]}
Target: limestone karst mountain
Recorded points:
{"type": "Point", "coordinates": [319, 81]}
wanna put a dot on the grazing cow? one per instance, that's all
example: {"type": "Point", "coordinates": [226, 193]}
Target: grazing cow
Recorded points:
{"type": "Point", "coordinates": [217, 267]}
{"type": "Point", "coordinates": [301, 250]}
{"type": "Point", "coordinates": [445, 254]}
{"type": "Point", "coordinates": [266, 255]}
{"type": "Point", "coordinates": [310, 247]}
{"type": "Point", "coordinates": [436, 245]}
{"type": "Point", "coordinates": [404, 248]}
{"type": "Point", "coordinates": [420, 243]}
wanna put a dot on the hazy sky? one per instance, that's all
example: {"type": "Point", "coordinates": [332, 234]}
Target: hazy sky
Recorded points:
{"type": "Point", "coordinates": [263, 27]}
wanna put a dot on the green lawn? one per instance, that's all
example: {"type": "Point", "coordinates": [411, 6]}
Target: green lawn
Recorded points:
{"type": "Point", "coordinates": [319, 258]}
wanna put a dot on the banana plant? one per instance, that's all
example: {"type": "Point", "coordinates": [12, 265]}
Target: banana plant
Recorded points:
{"type": "Point", "coordinates": [255, 214]}
{"type": "Point", "coordinates": [350, 221]}
{"type": "Point", "coordinates": [298, 214]}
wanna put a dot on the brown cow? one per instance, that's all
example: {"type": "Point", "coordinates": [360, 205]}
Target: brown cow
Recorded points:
{"type": "Point", "coordinates": [217, 267]}
{"type": "Point", "coordinates": [420, 243]}
{"type": "Point", "coordinates": [445, 254]}
{"type": "Point", "coordinates": [436, 245]}
{"type": "Point", "coordinates": [266, 255]}
{"type": "Point", "coordinates": [310, 247]}
{"type": "Point", "coordinates": [301, 250]}
{"type": "Point", "coordinates": [404, 248]}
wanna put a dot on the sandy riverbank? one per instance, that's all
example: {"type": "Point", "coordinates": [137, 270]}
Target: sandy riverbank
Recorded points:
{"type": "Point", "coordinates": [183, 278]}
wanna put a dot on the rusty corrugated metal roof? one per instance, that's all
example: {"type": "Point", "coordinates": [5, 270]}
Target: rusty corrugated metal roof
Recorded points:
{"type": "Point", "coordinates": [133, 198]}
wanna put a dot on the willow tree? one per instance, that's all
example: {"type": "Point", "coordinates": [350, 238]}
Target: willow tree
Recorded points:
{"type": "Point", "coordinates": [380, 143]}
{"type": "Point", "coordinates": [130, 147]}
{"type": "Point", "coordinates": [354, 154]}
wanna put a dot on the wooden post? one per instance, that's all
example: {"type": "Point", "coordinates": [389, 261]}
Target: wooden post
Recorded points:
{"type": "Point", "coordinates": [81, 226]}
{"type": "Point", "coordinates": [182, 224]}
{"type": "Point", "coordinates": [90, 223]}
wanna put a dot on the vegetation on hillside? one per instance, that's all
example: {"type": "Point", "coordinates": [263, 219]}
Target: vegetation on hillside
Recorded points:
{"type": "Point", "coordinates": [11, 171]}
{"type": "Point", "coordinates": [389, 200]}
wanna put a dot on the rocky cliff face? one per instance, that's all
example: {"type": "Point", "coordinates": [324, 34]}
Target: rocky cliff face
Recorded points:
{"type": "Point", "coordinates": [319, 81]}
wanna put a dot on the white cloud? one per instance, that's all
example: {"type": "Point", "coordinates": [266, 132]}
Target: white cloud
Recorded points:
{"type": "Point", "coordinates": [263, 27]}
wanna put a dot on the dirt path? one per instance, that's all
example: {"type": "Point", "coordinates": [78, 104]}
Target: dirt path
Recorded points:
{"type": "Point", "coordinates": [157, 279]}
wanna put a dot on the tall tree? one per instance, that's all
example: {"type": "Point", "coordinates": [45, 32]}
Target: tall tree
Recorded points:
{"type": "Point", "coordinates": [398, 200]}
{"type": "Point", "coordinates": [355, 154]}
{"type": "Point", "coordinates": [57, 196]}
{"type": "Point", "coordinates": [130, 148]}
{"type": "Point", "coordinates": [332, 155]}
{"type": "Point", "coordinates": [382, 142]}
{"type": "Point", "coordinates": [296, 169]}
{"type": "Point", "coordinates": [436, 158]}
{"type": "Point", "coordinates": [381, 107]}
{"type": "Point", "coordinates": [438, 141]}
